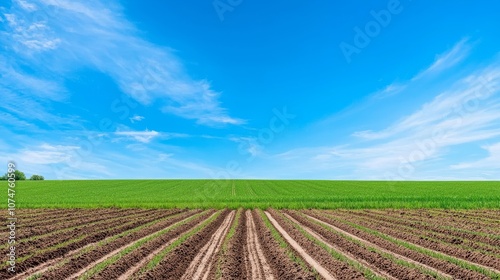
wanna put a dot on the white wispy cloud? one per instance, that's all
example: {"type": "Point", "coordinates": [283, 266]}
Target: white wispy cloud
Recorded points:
{"type": "Point", "coordinates": [25, 84]}
{"type": "Point", "coordinates": [491, 162]}
{"type": "Point", "coordinates": [447, 59]}
{"type": "Point", "coordinates": [136, 118]}
{"type": "Point", "coordinates": [47, 154]}
{"type": "Point", "coordinates": [389, 90]}
{"type": "Point", "coordinates": [58, 43]}
{"type": "Point", "coordinates": [29, 35]}
{"type": "Point", "coordinates": [26, 5]}
{"type": "Point", "coordinates": [442, 62]}
{"type": "Point", "coordinates": [467, 112]}
{"type": "Point", "coordinates": [141, 136]}
{"type": "Point", "coordinates": [465, 97]}
{"type": "Point", "coordinates": [148, 135]}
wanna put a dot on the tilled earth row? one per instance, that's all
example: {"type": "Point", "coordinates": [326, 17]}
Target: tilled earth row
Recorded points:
{"type": "Point", "coordinates": [255, 244]}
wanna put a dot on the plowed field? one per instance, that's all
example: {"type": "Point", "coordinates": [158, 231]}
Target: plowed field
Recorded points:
{"type": "Point", "coordinates": [256, 244]}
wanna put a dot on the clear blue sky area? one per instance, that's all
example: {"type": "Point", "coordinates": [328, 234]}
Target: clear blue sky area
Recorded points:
{"type": "Point", "coordinates": [396, 90]}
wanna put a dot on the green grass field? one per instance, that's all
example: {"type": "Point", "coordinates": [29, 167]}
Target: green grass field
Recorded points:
{"type": "Point", "coordinates": [256, 194]}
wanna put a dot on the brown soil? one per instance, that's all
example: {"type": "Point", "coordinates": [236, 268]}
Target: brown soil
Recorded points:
{"type": "Point", "coordinates": [74, 217]}
{"type": "Point", "coordinates": [30, 246]}
{"type": "Point", "coordinates": [205, 259]}
{"type": "Point", "coordinates": [64, 270]}
{"type": "Point", "coordinates": [256, 264]}
{"type": "Point", "coordinates": [91, 235]}
{"type": "Point", "coordinates": [472, 236]}
{"type": "Point", "coordinates": [174, 265]}
{"type": "Point", "coordinates": [378, 263]}
{"type": "Point", "coordinates": [437, 224]}
{"type": "Point", "coordinates": [78, 262]}
{"type": "Point", "coordinates": [232, 265]}
{"type": "Point", "coordinates": [425, 230]}
{"type": "Point", "coordinates": [154, 250]}
{"type": "Point", "coordinates": [446, 220]}
{"type": "Point", "coordinates": [443, 266]}
{"type": "Point", "coordinates": [281, 265]}
{"type": "Point", "coordinates": [413, 236]}
{"type": "Point", "coordinates": [47, 225]}
{"type": "Point", "coordinates": [314, 255]}
{"type": "Point", "coordinates": [487, 216]}
{"type": "Point", "coordinates": [33, 214]}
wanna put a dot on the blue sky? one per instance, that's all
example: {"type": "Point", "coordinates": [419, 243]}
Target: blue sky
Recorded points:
{"type": "Point", "coordinates": [393, 90]}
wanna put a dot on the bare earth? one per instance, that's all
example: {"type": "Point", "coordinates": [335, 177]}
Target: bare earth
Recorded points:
{"type": "Point", "coordinates": [255, 244]}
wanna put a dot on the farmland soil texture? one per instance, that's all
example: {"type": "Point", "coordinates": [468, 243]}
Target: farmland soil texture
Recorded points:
{"type": "Point", "coordinates": [113, 243]}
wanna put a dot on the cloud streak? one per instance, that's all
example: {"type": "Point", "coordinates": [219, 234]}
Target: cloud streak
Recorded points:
{"type": "Point", "coordinates": [447, 60]}
{"type": "Point", "coordinates": [148, 135]}
{"type": "Point", "coordinates": [467, 112]}
{"type": "Point", "coordinates": [58, 43]}
{"type": "Point", "coordinates": [491, 162]}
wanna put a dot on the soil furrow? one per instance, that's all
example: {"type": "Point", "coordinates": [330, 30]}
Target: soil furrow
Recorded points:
{"type": "Point", "coordinates": [79, 256]}
{"type": "Point", "coordinates": [443, 266]}
{"type": "Point", "coordinates": [409, 273]}
{"type": "Point", "coordinates": [379, 271]}
{"type": "Point", "coordinates": [114, 252]}
{"type": "Point", "coordinates": [73, 244]}
{"type": "Point", "coordinates": [461, 240]}
{"type": "Point", "coordinates": [52, 226]}
{"type": "Point", "coordinates": [31, 246]}
{"type": "Point", "coordinates": [259, 268]}
{"type": "Point", "coordinates": [466, 229]}
{"type": "Point", "coordinates": [36, 214]}
{"type": "Point", "coordinates": [232, 265]}
{"type": "Point", "coordinates": [282, 263]}
{"type": "Point", "coordinates": [82, 215]}
{"type": "Point", "coordinates": [58, 236]}
{"type": "Point", "coordinates": [127, 265]}
{"type": "Point", "coordinates": [475, 258]}
{"type": "Point", "coordinates": [313, 263]}
{"type": "Point", "coordinates": [470, 215]}
{"type": "Point", "coordinates": [445, 221]}
{"type": "Point", "coordinates": [433, 228]}
{"type": "Point", "coordinates": [200, 266]}
{"type": "Point", "coordinates": [175, 264]}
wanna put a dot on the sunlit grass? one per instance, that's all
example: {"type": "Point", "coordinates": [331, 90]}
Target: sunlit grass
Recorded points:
{"type": "Point", "coordinates": [263, 194]}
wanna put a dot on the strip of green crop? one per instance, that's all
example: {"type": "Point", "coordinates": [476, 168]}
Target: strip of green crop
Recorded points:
{"type": "Point", "coordinates": [283, 244]}
{"type": "Point", "coordinates": [105, 242]}
{"type": "Point", "coordinates": [156, 260]}
{"type": "Point", "coordinates": [383, 254]}
{"type": "Point", "coordinates": [257, 194]}
{"type": "Point", "coordinates": [227, 239]}
{"type": "Point", "coordinates": [368, 273]}
{"type": "Point", "coordinates": [434, 254]}
{"type": "Point", "coordinates": [34, 277]}
{"type": "Point", "coordinates": [101, 266]}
